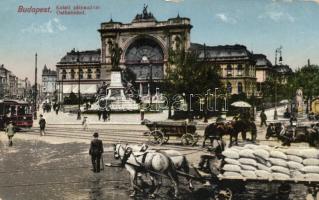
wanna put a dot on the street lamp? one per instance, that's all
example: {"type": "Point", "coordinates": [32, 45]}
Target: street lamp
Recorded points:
{"type": "Point", "coordinates": [275, 112]}
{"type": "Point", "coordinates": [79, 84]}
{"type": "Point", "coordinates": [215, 98]}
{"type": "Point", "coordinates": [35, 87]}
{"type": "Point", "coordinates": [206, 106]}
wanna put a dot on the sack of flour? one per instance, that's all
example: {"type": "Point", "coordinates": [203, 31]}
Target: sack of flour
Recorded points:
{"type": "Point", "coordinates": [297, 174]}
{"type": "Point", "coordinates": [294, 158]}
{"type": "Point", "coordinates": [232, 168]}
{"type": "Point", "coordinates": [251, 146]}
{"type": "Point", "coordinates": [261, 160]}
{"type": "Point", "coordinates": [248, 167]}
{"type": "Point", "coordinates": [310, 169]}
{"type": "Point", "coordinates": [230, 154]}
{"type": "Point", "coordinates": [294, 165]}
{"type": "Point", "coordinates": [280, 169]}
{"type": "Point", "coordinates": [263, 167]}
{"type": "Point", "coordinates": [278, 154]}
{"type": "Point", "coordinates": [265, 147]}
{"type": "Point", "coordinates": [310, 153]}
{"type": "Point", "coordinates": [280, 176]}
{"type": "Point", "coordinates": [278, 162]}
{"type": "Point", "coordinates": [262, 153]}
{"type": "Point", "coordinates": [295, 152]}
{"type": "Point", "coordinates": [248, 174]}
{"type": "Point", "coordinates": [232, 174]}
{"type": "Point", "coordinates": [312, 176]}
{"type": "Point", "coordinates": [311, 161]}
{"type": "Point", "coordinates": [247, 153]}
{"type": "Point", "coordinates": [247, 161]}
{"type": "Point", "coordinates": [231, 161]}
{"type": "Point", "coordinates": [263, 174]}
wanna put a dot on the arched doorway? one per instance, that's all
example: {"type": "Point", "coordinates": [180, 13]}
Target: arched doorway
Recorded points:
{"type": "Point", "coordinates": [145, 58]}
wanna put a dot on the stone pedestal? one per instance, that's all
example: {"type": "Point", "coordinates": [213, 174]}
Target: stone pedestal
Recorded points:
{"type": "Point", "coordinates": [116, 98]}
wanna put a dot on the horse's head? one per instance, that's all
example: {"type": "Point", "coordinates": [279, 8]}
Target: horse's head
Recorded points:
{"type": "Point", "coordinates": [116, 150]}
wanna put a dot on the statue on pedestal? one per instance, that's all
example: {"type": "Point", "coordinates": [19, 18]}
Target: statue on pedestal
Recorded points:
{"type": "Point", "coordinates": [115, 52]}
{"type": "Point", "coordinates": [299, 100]}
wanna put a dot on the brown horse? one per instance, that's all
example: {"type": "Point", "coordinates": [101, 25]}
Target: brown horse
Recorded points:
{"type": "Point", "coordinates": [216, 131]}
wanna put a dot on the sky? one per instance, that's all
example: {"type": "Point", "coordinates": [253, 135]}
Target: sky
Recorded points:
{"type": "Point", "coordinates": [261, 25]}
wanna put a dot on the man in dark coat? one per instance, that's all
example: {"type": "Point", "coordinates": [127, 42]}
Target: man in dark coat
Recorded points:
{"type": "Point", "coordinates": [96, 150]}
{"type": "Point", "coordinates": [104, 115]}
{"type": "Point", "coordinates": [42, 124]}
{"type": "Point", "coordinates": [263, 118]}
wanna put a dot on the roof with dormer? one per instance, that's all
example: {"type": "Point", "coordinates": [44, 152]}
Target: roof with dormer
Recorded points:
{"type": "Point", "coordinates": [73, 57]}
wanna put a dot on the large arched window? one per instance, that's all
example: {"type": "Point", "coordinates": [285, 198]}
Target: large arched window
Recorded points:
{"type": "Point", "coordinates": [229, 70]}
{"type": "Point", "coordinates": [239, 70]}
{"type": "Point", "coordinates": [72, 74]}
{"type": "Point", "coordinates": [229, 87]}
{"type": "Point", "coordinates": [240, 87]}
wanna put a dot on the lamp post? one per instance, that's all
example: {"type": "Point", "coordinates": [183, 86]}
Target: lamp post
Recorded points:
{"type": "Point", "coordinates": [150, 83]}
{"type": "Point", "coordinates": [215, 98]}
{"type": "Point", "coordinates": [275, 112]}
{"type": "Point", "coordinates": [35, 87]}
{"type": "Point", "coordinates": [206, 106]}
{"type": "Point", "coordinates": [79, 89]}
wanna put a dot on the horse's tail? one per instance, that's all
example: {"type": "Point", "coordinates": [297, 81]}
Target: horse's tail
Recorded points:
{"type": "Point", "coordinates": [185, 165]}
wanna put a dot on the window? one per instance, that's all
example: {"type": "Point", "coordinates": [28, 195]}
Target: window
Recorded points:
{"type": "Point", "coordinates": [72, 74]}
{"type": "Point", "coordinates": [81, 74]}
{"type": "Point", "coordinates": [89, 74]}
{"type": "Point", "coordinates": [229, 70]}
{"type": "Point", "coordinates": [229, 87]}
{"type": "Point", "coordinates": [98, 73]}
{"type": "Point", "coordinates": [240, 87]}
{"type": "Point", "coordinates": [64, 74]}
{"type": "Point", "coordinates": [240, 70]}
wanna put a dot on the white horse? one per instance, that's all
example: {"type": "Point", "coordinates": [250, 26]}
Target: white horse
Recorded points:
{"type": "Point", "coordinates": [179, 160]}
{"type": "Point", "coordinates": [155, 163]}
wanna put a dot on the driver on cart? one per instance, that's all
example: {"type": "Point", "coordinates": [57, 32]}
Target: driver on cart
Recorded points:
{"type": "Point", "coordinates": [209, 163]}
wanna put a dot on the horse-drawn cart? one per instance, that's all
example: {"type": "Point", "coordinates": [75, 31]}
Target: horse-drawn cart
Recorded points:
{"type": "Point", "coordinates": [160, 132]}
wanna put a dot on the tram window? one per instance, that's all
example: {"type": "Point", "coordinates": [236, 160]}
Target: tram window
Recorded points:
{"type": "Point", "coordinates": [13, 110]}
{"type": "Point", "coordinates": [23, 110]}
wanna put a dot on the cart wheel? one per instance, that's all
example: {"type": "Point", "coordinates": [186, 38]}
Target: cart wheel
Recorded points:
{"type": "Point", "coordinates": [158, 137]}
{"type": "Point", "coordinates": [187, 139]}
{"type": "Point", "coordinates": [223, 194]}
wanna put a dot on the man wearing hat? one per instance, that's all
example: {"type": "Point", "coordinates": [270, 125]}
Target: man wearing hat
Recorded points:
{"type": "Point", "coordinates": [10, 130]}
{"type": "Point", "coordinates": [96, 150]}
{"type": "Point", "coordinates": [42, 123]}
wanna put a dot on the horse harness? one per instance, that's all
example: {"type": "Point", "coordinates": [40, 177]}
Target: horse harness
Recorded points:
{"type": "Point", "coordinates": [127, 153]}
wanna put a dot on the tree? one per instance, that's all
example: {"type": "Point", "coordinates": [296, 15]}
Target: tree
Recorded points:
{"type": "Point", "coordinates": [306, 78]}
{"type": "Point", "coordinates": [190, 75]}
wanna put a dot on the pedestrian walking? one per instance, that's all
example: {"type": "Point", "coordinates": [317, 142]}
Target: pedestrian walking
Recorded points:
{"type": "Point", "coordinates": [10, 130]}
{"type": "Point", "coordinates": [99, 113]}
{"type": "Point", "coordinates": [57, 108]}
{"type": "Point", "coordinates": [104, 115]}
{"type": "Point", "coordinates": [263, 118]}
{"type": "Point", "coordinates": [96, 151]}
{"type": "Point", "coordinates": [42, 123]}
{"type": "Point", "coordinates": [85, 123]}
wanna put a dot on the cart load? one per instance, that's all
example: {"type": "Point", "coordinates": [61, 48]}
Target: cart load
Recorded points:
{"type": "Point", "coordinates": [264, 162]}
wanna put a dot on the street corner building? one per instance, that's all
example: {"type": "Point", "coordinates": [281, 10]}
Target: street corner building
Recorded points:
{"type": "Point", "coordinates": [145, 43]}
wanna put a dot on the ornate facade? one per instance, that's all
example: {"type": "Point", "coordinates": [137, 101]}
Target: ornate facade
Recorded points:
{"type": "Point", "coordinates": [235, 64]}
{"type": "Point", "coordinates": [75, 65]}
{"type": "Point", "coordinates": [145, 43]}
{"type": "Point", "coordinates": [48, 81]}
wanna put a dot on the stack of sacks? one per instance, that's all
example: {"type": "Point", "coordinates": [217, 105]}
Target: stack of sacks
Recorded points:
{"type": "Point", "coordinates": [261, 161]}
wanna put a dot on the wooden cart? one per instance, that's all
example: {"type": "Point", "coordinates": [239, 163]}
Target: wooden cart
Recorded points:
{"type": "Point", "coordinates": [160, 132]}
